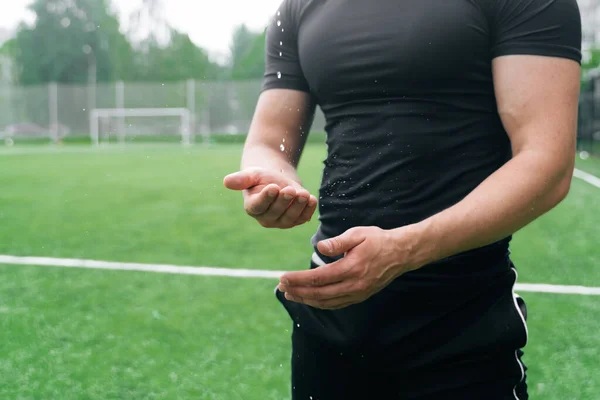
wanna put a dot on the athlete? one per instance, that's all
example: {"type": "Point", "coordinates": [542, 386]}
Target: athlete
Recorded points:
{"type": "Point", "coordinates": [450, 126]}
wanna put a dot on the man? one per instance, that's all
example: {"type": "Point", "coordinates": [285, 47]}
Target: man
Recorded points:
{"type": "Point", "coordinates": [450, 126]}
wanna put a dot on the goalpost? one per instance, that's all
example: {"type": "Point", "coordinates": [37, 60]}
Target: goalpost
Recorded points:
{"type": "Point", "coordinates": [98, 114]}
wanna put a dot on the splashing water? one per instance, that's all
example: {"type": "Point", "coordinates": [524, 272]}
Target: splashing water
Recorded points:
{"type": "Point", "coordinates": [281, 147]}
{"type": "Point", "coordinates": [278, 75]}
{"type": "Point", "coordinates": [280, 54]}
{"type": "Point", "coordinates": [278, 23]}
{"type": "Point", "coordinates": [281, 43]}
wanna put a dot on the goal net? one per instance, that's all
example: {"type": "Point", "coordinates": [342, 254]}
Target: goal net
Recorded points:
{"type": "Point", "coordinates": [123, 124]}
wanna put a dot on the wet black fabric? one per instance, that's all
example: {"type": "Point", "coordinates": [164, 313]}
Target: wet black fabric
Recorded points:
{"type": "Point", "coordinates": [428, 344]}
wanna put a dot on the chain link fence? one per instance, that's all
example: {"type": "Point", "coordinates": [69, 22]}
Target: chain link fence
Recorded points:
{"type": "Point", "coordinates": [220, 108]}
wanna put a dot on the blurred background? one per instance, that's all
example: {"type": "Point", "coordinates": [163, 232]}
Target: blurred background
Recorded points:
{"type": "Point", "coordinates": [69, 58]}
{"type": "Point", "coordinates": [118, 121]}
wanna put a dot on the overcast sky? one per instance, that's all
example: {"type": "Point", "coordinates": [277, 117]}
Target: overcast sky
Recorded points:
{"type": "Point", "coordinates": [209, 29]}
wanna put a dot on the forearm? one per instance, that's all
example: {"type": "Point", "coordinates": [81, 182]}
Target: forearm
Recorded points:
{"type": "Point", "coordinates": [528, 186]}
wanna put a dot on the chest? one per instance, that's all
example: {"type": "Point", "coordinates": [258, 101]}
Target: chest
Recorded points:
{"type": "Point", "coordinates": [392, 46]}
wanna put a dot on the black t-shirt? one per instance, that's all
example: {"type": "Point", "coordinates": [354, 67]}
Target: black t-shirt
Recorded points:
{"type": "Point", "coordinates": [407, 90]}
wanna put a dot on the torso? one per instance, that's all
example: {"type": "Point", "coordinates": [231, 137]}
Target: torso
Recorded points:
{"type": "Point", "coordinates": [407, 91]}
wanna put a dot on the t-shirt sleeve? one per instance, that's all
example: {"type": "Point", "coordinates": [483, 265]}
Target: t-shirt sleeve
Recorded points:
{"type": "Point", "coordinates": [282, 63]}
{"type": "Point", "coordinates": [536, 27]}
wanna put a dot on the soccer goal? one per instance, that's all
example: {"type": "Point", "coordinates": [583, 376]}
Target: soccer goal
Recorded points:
{"type": "Point", "coordinates": [104, 121]}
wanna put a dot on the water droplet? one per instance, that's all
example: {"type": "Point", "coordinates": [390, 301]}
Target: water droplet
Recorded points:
{"type": "Point", "coordinates": [278, 23]}
{"type": "Point", "coordinates": [298, 325]}
{"type": "Point", "coordinates": [278, 13]}
{"type": "Point", "coordinates": [282, 30]}
{"type": "Point", "coordinates": [282, 147]}
{"type": "Point", "coordinates": [280, 54]}
{"type": "Point", "coordinates": [281, 43]}
{"type": "Point", "coordinates": [283, 140]}
{"type": "Point", "coordinates": [278, 75]}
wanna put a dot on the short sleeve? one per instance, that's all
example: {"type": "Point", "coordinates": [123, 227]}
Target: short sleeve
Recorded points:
{"type": "Point", "coordinates": [536, 27]}
{"type": "Point", "coordinates": [282, 61]}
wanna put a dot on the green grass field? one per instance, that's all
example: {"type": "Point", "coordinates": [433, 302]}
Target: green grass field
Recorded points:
{"type": "Point", "coordinates": [83, 334]}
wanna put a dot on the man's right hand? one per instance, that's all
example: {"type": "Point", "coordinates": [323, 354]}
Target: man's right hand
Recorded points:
{"type": "Point", "coordinates": [273, 199]}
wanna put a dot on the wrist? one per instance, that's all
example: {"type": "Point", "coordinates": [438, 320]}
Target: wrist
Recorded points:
{"type": "Point", "coordinates": [416, 244]}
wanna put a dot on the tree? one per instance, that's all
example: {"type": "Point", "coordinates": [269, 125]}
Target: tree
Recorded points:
{"type": "Point", "coordinates": [241, 43]}
{"type": "Point", "coordinates": [251, 65]}
{"type": "Point", "coordinates": [178, 60]}
{"type": "Point", "coordinates": [9, 48]}
{"type": "Point", "coordinates": [70, 38]}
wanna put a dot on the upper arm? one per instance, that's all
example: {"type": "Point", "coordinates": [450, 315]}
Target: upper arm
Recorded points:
{"type": "Point", "coordinates": [536, 50]}
{"type": "Point", "coordinates": [538, 101]}
{"type": "Point", "coordinates": [285, 108]}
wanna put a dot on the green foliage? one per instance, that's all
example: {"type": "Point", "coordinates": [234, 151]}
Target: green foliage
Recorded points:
{"type": "Point", "coordinates": [67, 39]}
{"type": "Point", "coordinates": [241, 43]}
{"type": "Point", "coordinates": [593, 61]}
{"type": "Point", "coordinates": [588, 65]}
{"type": "Point", "coordinates": [9, 48]}
{"type": "Point", "coordinates": [179, 60]}
{"type": "Point", "coordinates": [252, 64]}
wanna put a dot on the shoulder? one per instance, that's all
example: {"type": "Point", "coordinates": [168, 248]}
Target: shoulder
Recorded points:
{"type": "Point", "coordinates": [291, 12]}
{"type": "Point", "coordinates": [517, 10]}
{"type": "Point", "coordinates": [534, 27]}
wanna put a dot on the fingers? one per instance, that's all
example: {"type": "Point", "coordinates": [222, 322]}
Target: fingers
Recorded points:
{"type": "Point", "coordinates": [291, 215]}
{"type": "Point", "coordinates": [308, 211]}
{"type": "Point", "coordinates": [259, 203]}
{"type": "Point", "coordinates": [341, 244]}
{"type": "Point", "coordinates": [319, 293]}
{"type": "Point", "coordinates": [279, 206]}
{"type": "Point", "coordinates": [325, 275]}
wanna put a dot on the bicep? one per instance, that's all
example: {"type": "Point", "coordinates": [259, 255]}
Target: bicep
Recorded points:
{"type": "Point", "coordinates": [537, 100]}
{"type": "Point", "coordinates": [282, 121]}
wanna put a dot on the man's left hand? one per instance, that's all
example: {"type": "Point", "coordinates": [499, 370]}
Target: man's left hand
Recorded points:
{"type": "Point", "coordinates": [373, 258]}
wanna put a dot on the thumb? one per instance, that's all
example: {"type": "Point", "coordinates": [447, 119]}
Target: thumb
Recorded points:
{"type": "Point", "coordinates": [242, 180]}
{"type": "Point", "coordinates": [341, 244]}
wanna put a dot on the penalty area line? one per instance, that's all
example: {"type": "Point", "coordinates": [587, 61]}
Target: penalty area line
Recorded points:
{"type": "Point", "coordinates": [234, 273]}
{"type": "Point", "coordinates": [589, 178]}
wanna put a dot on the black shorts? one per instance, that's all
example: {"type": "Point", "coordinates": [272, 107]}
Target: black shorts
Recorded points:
{"type": "Point", "coordinates": [470, 350]}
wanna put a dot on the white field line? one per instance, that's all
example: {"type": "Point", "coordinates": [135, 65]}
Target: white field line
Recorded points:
{"type": "Point", "coordinates": [589, 178]}
{"type": "Point", "coordinates": [234, 273]}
